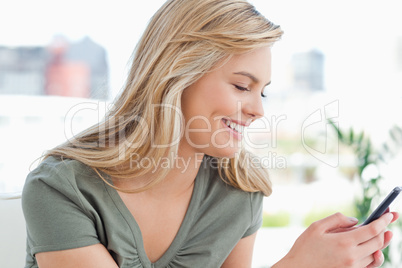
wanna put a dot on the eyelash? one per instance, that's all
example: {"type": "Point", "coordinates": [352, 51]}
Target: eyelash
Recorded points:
{"type": "Point", "coordinates": [246, 89]}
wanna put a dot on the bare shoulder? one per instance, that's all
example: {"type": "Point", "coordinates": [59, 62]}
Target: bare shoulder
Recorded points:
{"type": "Point", "coordinates": [95, 256]}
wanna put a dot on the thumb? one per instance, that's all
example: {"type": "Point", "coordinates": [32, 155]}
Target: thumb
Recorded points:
{"type": "Point", "coordinates": [337, 221]}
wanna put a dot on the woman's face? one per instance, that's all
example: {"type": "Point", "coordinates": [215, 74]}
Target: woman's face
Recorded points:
{"type": "Point", "coordinates": [220, 105]}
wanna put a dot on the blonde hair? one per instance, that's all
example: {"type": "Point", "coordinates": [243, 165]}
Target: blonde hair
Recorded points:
{"type": "Point", "coordinates": [184, 40]}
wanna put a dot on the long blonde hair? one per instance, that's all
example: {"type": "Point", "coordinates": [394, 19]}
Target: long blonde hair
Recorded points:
{"type": "Point", "coordinates": [183, 41]}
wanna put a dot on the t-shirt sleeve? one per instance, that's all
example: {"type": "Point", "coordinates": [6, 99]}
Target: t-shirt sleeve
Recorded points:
{"type": "Point", "coordinates": [55, 216]}
{"type": "Point", "coordinates": [256, 203]}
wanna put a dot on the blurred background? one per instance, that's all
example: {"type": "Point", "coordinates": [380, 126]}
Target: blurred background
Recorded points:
{"type": "Point", "coordinates": [62, 63]}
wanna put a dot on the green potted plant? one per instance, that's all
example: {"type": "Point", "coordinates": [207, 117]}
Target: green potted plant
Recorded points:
{"type": "Point", "coordinates": [369, 157]}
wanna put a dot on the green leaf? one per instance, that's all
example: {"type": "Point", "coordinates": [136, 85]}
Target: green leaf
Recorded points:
{"type": "Point", "coordinates": [351, 136]}
{"type": "Point", "coordinates": [338, 131]}
{"type": "Point", "coordinates": [396, 135]}
{"type": "Point", "coordinates": [360, 138]}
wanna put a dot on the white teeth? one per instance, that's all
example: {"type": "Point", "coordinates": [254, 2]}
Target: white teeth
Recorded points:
{"type": "Point", "coordinates": [234, 126]}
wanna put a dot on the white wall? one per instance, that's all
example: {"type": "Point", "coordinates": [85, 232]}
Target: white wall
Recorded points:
{"type": "Point", "coordinates": [12, 234]}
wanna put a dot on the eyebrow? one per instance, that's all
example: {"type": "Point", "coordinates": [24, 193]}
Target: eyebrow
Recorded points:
{"type": "Point", "coordinates": [252, 77]}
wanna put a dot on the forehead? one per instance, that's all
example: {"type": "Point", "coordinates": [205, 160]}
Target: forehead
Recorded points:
{"type": "Point", "coordinates": [256, 62]}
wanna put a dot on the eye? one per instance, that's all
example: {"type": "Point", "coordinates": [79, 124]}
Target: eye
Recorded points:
{"type": "Point", "coordinates": [241, 88]}
{"type": "Point", "coordinates": [263, 95]}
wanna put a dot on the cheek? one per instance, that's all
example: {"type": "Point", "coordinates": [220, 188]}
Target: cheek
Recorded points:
{"type": "Point", "coordinates": [219, 100]}
{"type": "Point", "coordinates": [208, 101]}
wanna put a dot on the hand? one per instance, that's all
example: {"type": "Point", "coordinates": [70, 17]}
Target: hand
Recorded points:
{"type": "Point", "coordinates": [336, 242]}
{"type": "Point", "coordinates": [378, 255]}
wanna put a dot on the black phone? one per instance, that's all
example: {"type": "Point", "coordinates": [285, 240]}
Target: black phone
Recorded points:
{"type": "Point", "coordinates": [383, 206]}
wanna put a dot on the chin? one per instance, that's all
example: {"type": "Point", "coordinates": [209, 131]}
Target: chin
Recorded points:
{"type": "Point", "coordinates": [229, 152]}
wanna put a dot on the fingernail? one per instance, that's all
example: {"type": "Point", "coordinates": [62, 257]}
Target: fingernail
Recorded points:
{"type": "Point", "coordinates": [390, 217]}
{"type": "Point", "coordinates": [353, 219]}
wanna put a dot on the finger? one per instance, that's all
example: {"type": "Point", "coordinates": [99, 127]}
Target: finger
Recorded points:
{"type": "Point", "coordinates": [368, 232]}
{"type": "Point", "coordinates": [336, 221]}
{"type": "Point", "coordinates": [396, 216]}
{"type": "Point", "coordinates": [378, 259]}
{"type": "Point", "coordinates": [387, 238]}
{"type": "Point", "coordinates": [366, 262]}
{"type": "Point", "coordinates": [371, 246]}
{"type": "Point", "coordinates": [342, 230]}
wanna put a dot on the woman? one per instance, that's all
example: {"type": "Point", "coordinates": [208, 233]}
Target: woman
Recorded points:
{"type": "Point", "coordinates": [163, 181]}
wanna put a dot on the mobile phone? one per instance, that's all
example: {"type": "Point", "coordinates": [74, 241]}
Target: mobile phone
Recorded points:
{"type": "Point", "coordinates": [383, 206]}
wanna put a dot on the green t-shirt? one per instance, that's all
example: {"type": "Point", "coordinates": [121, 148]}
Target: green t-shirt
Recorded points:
{"type": "Point", "coordinates": [66, 205]}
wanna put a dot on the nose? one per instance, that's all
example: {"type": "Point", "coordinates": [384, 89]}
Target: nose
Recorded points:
{"type": "Point", "coordinates": [254, 108]}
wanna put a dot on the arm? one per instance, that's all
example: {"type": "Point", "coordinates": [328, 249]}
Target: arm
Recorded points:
{"type": "Point", "coordinates": [95, 256]}
{"type": "Point", "coordinates": [335, 242]}
{"type": "Point", "coordinates": [61, 231]}
{"type": "Point", "coordinates": [242, 254]}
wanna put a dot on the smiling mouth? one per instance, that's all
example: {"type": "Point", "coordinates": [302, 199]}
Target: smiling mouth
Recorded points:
{"type": "Point", "coordinates": [234, 126]}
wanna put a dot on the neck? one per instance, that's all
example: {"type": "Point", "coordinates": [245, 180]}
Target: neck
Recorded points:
{"type": "Point", "coordinates": [182, 175]}
{"type": "Point", "coordinates": [178, 181]}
